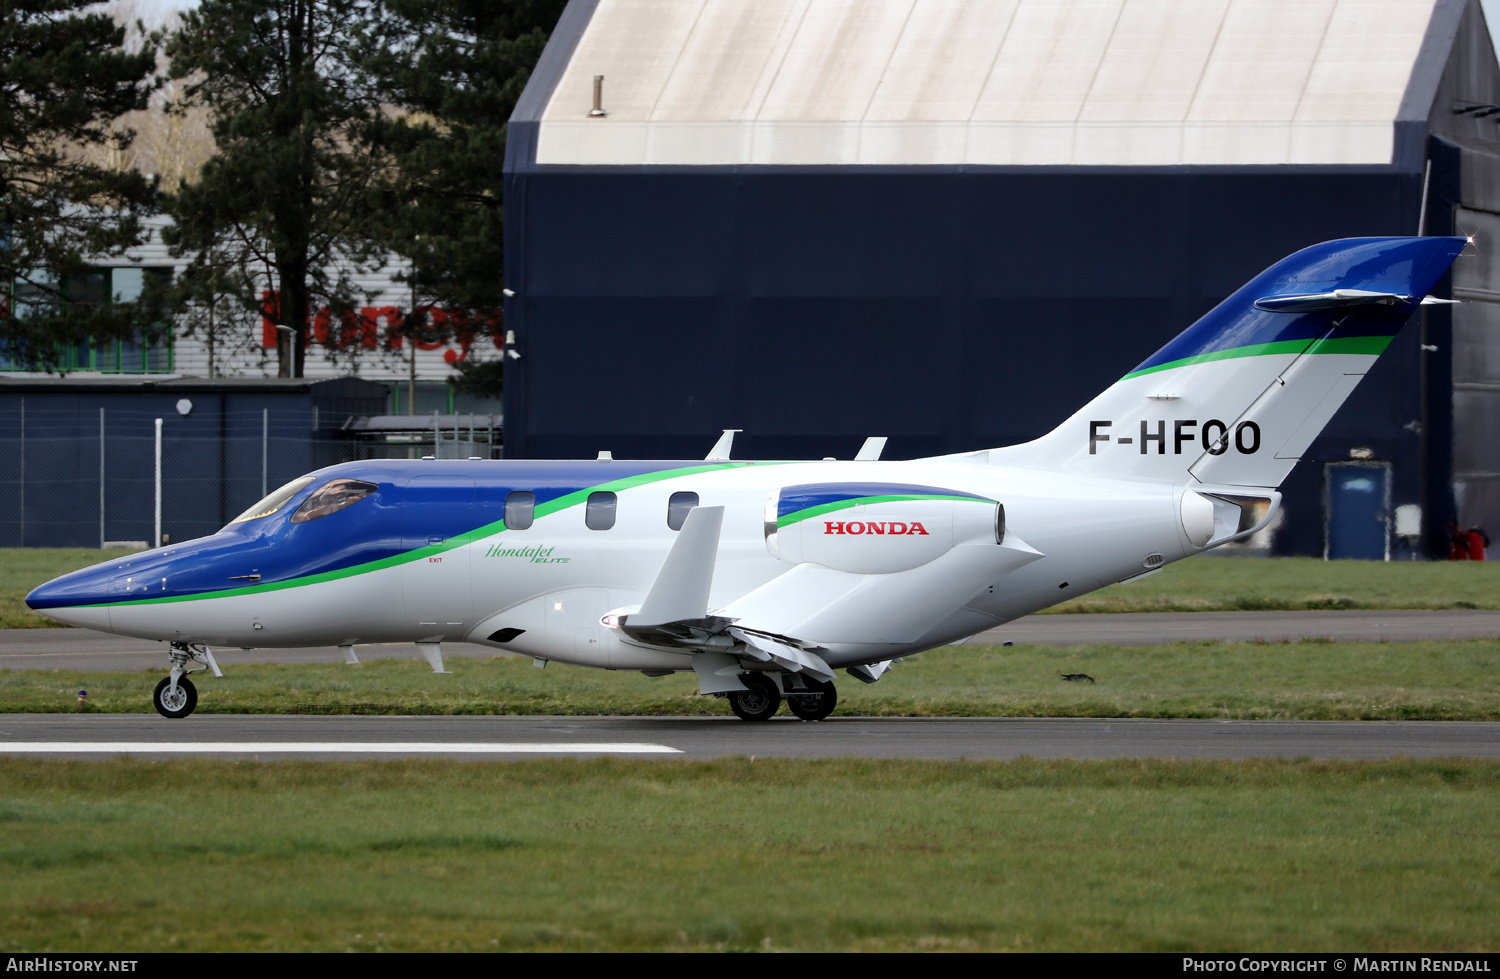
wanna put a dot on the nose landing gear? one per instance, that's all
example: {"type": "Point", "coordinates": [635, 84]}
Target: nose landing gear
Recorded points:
{"type": "Point", "coordinates": [175, 700]}
{"type": "Point", "coordinates": [175, 695]}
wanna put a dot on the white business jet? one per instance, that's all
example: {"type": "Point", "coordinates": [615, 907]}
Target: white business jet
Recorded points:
{"type": "Point", "coordinates": [765, 578]}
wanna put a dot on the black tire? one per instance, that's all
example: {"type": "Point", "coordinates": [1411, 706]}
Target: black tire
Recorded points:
{"type": "Point", "coordinates": [817, 703]}
{"type": "Point", "coordinates": [187, 698]}
{"type": "Point", "coordinates": [758, 701]}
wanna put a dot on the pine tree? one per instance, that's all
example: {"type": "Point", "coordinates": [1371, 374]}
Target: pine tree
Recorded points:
{"type": "Point", "coordinates": [65, 76]}
{"type": "Point", "coordinates": [293, 113]}
{"type": "Point", "coordinates": [457, 76]}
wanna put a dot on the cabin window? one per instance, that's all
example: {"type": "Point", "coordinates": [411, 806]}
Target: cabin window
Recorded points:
{"type": "Point", "coordinates": [599, 512]}
{"type": "Point", "coordinates": [520, 510]}
{"type": "Point", "coordinates": [678, 507]}
{"type": "Point", "coordinates": [332, 497]}
{"type": "Point", "coordinates": [278, 499]}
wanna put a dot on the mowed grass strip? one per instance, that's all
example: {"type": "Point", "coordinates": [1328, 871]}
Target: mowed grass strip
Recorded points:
{"type": "Point", "coordinates": [1309, 680]}
{"type": "Point", "coordinates": [1213, 583]}
{"type": "Point", "coordinates": [1202, 584]}
{"type": "Point", "coordinates": [738, 854]}
{"type": "Point", "coordinates": [23, 568]}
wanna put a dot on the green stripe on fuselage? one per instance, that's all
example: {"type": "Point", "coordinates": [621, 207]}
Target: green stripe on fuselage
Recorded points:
{"type": "Point", "coordinates": [406, 557]}
{"type": "Point", "coordinates": [1372, 346]}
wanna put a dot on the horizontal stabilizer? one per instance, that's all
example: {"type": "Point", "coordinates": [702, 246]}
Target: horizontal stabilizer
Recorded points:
{"type": "Point", "coordinates": [680, 591]}
{"type": "Point", "coordinates": [1334, 299]}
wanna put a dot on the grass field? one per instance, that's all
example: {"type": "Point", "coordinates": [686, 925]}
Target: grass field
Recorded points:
{"type": "Point", "coordinates": [23, 568]}
{"type": "Point", "coordinates": [629, 855]}
{"type": "Point", "coordinates": [1196, 585]}
{"type": "Point", "coordinates": [1308, 680]}
{"type": "Point", "coordinates": [1221, 584]}
{"type": "Point", "coordinates": [812, 856]}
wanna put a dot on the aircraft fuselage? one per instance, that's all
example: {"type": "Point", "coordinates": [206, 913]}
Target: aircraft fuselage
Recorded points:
{"type": "Point", "coordinates": [428, 557]}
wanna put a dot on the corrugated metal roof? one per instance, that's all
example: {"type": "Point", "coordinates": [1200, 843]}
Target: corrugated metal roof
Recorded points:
{"type": "Point", "coordinates": [883, 82]}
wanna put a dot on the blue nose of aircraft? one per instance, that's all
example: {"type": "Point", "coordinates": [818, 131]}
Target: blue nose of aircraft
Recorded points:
{"type": "Point", "coordinates": [78, 598]}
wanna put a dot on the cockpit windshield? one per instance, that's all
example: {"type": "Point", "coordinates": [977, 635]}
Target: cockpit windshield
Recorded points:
{"type": "Point", "coordinates": [276, 500]}
{"type": "Point", "coordinates": [332, 497]}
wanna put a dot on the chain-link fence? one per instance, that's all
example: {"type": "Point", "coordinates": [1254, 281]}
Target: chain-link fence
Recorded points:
{"type": "Point", "coordinates": [88, 477]}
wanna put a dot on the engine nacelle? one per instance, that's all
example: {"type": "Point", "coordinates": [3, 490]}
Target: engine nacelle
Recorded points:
{"type": "Point", "coordinates": [876, 528]}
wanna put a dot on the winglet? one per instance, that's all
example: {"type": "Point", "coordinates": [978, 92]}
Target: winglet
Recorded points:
{"type": "Point", "coordinates": [870, 451]}
{"type": "Point", "coordinates": [680, 590]}
{"type": "Point", "coordinates": [720, 451]}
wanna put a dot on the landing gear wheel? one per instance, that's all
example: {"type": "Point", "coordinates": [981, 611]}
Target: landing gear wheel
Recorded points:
{"type": "Point", "coordinates": [179, 706]}
{"type": "Point", "coordinates": [758, 701]}
{"type": "Point", "coordinates": [811, 706]}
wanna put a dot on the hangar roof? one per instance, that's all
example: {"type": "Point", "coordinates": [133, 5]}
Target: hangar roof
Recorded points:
{"type": "Point", "coordinates": [994, 82]}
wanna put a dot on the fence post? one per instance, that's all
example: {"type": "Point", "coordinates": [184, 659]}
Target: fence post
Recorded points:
{"type": "Point", "coordinates": [158, 482]}
{"type": "Point", "coordinates": [23, 470]}
{"type": "Point", "coordinates": [101, 477]}
{"type": "Point", "coordinates": [265, 436]}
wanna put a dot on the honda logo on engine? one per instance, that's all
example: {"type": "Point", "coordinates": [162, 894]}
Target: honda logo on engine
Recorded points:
{"type": "Point", "coordinates": [895, 528]}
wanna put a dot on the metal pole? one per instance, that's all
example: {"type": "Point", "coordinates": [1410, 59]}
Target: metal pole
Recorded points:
{"type": "Point", "coordinates": [1422, 213]}
{"type": "Point", "coordinates": [158, 482]}
{"type": "Point", "coordinates": [411, 339]}
{"type": "Point", "coordinates": [437, 435]}
{"type": "Point", "coordinates": [101, 477]}
{"type": "Point", "coordinates": [265, 440]}
{"type": "Point", "coordinates": [23, 470]}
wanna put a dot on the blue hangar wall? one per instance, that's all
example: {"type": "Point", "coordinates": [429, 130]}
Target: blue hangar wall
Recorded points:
{"type": "Point", "coordinates": [950, 308]}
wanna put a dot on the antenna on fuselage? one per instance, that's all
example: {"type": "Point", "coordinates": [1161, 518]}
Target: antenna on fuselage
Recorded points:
{"type": "Point", "coordinates": [720, 451]}
{"type": "Point", "coordinates": [870, 451]}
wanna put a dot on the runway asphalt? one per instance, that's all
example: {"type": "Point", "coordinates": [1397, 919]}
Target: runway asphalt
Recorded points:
{"type": "Point", "coordinates": [264, 737]}
{"type": "Point", "coordinates": [84, 649]}
{"type": "Point", "coordinates": [502, 737]}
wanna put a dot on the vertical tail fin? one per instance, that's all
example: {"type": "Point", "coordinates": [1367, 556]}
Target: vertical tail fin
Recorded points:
{"type": "Point", "coordinates": [1238, 396]}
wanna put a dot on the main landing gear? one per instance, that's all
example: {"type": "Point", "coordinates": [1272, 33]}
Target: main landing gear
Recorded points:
{"type": "Point", "coordinates": [175, 695]}
{"type": "Point", "coordinates": [807, 698]}
{"type": "Point", "coordinates": [816, 703]}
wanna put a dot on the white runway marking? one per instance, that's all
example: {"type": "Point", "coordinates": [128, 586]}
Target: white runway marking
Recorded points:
{"type": "Point", "coordinates": [335, 747]}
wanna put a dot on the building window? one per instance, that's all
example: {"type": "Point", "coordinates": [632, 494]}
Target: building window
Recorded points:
{"type": "Point", "coordinates": [149, 351]}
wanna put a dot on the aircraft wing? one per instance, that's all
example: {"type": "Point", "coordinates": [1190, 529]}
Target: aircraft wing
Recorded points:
{"type": "Point", "coordinates": [816, 604]}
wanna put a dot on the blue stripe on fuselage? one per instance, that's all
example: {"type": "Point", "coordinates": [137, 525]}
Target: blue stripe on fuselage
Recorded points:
{"type": "Point", "coordinates": [375, 528]}
{"type": "Point", "coordinates": [796, 498]}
